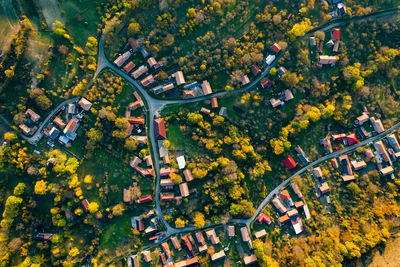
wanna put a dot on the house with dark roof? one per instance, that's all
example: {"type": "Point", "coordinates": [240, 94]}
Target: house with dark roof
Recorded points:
{"type": "Point", "coordinates": [255, 70]}
{"type": "Point", "coordinates": [276, 48]}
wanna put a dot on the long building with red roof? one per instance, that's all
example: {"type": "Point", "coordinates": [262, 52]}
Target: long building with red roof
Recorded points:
{"type": "Point", "coordinates": [159, 128]}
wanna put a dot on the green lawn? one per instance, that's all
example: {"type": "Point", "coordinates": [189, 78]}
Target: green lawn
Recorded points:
{"type": "Point", "coordinates": [81, 18]}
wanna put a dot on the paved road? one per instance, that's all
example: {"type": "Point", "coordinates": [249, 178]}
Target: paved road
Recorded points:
{"type": "Point", "coordinates": [39, 133]}
{"type": "Point", "coordinates": [311, 165]}
{"type": "Point", "coordinates": [155, 105]}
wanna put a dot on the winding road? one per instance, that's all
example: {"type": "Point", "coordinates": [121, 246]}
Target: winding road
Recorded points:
{"type": "Point", "coordinates": [155, 105]}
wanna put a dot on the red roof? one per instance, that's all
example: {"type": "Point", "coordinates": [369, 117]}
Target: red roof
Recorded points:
{"type": "Point", "coordinates": [145, 199]}
{"type": "Point", "coordinates": [276, 48]}
{"type": "Point", "coordinates": [264, 219]}
{"type": "Point", "coordinates": [266, 83]}
{"type": "Point", "coordinates": [352, 139]}
{"type": "Point", "coordinates": [159, 129]}
{"type": "Point", "coordinates": [136, 120]}
{"type": "Point", "coordinates": [129, 66]}
{"type": "Point", "coordinates": [336, 34]}
{"type": "Point", "coordinates": [290, 163]}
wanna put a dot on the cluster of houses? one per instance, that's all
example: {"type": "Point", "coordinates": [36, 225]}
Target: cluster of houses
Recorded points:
{"type": "Point", "coordinates": [189, 247]}
{"type": "Point", "coordinates": [146, 223]}
{"type": "Point", "coordinates": [29, 127]}
{"type": "Point", "coordinates": [332, 44]}
{"type": "Point", "coordinates": [65, 124]}
{"type": "Point", "coordinates": [288, 210]}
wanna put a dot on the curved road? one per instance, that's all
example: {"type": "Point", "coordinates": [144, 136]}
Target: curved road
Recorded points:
{"type": "Point", "coordinates": [155, 105]}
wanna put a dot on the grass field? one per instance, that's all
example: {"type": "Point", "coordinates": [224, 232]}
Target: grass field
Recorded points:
{"type": "Point", "coordinates": [8, 23]}
{"type": "Point", "coordinates": [51, 11]}
{"type": "Point", "coordinates": [81, 18]}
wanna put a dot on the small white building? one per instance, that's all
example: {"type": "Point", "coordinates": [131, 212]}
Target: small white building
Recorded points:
{"type": "Point", "coordinates": [181, 162]}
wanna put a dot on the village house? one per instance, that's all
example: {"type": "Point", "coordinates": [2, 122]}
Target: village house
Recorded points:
{"type": "Point", "coordinates": [134, 105]}
{"type": "Point", "coordinates": [324, 188]}
{"type": "Point", "coordinates": [327, 145]}
{"type": "Point", "coordinates": [278, 204]}
{"type": "Point", "coordinates": [351, 139]}
{"type": "Point", "coordinates": [153, 63]}
{"type": "Point", "coordinates": [382, 151]}
{"type": "Point", "coordinates": [276, 48]}
{"type": "Point", "coordinates": [289, 163]}
{"type": "Point", "coordinates": [59, 122]}
{"type": "Point", "coordinates": [246, 237]}
{"type": "Point", "coordinates": [133, 261]}
{"type": "Point", "coordinates": [255, 70]}
{"type": "Point", "coordinates": [189, 262]}
{"type": "Point", "coordinates": [70, 129]}
{"type": "Point", "coordinates": [166, 160]}
{"type": "Point", "coordinates": [296, 221]}
{"type": "Point", "coordinates": [25, 129]}
{"type": "Point", "coordinates": [260, 234]}
{"type": "Point", "coordinates": [285, 196]}
{"type": "Point", "coordinates": [362, 119]}
{"type": "Point", "coordinates": [214, 102]}
{"type": "Point", "coordinates": [206, 87]}
{"type": "Point", "coordinates": [212, 236]}
{"type": "Point", "coordinates": [146, 256]}
{"type": "Point", "coordinates": [188, 94]}
{"type": "Point", "coordinates": [264, 219]}
{"type": "Point", "coordinates": [329, 44]}
{"type": "Point", "coordinates": [392, 140]}
{"type": "Point", "coordinates": [369, 154]}
{"type": "Point", "coordinates": [119, 61]}
{"type": "Point", "coordinates": [249, 260]}
{"type": "Point", "coordinates": [205, 111]}
{"type": "Point", "coordinates": [141, 139]}
{"type": "Point", "coordinates": [358, 165]}
{"type": "Point", "coordinates": [283, 219]}
{"type": "Point", "coordinates": [266, 83]}
{"type": "Point", "coordinates": [186, 243]}
{"type": "Point", "coordinates": [148, 80]}
{"type": "Point", "coordinates": [31, 115]}
{"type": "Point", "coordinates": [327, 60]}
{"type": "Point", "coordinates": [218, 256]}
{"type": "Point", "coordinates": [139, 72]}
{"type": "Point", "coordinates": [313, 42]}
{"type": "Point", "coordinates": [128, 67]}
{"type": "Point", "coordinates": [231, 231]}
{"type": "Point", "coordinates": [136, 120]}
{"type": "Point", "coordinates": [165, 197]}
{"type": "Point", "coordinates": [145, 199]}
{"type": "Point", "coordinates": [344, 160]}
{"type": "Point", "coordinates": [132, 42]}
{"type": "Point", "coordinates": [184, 189]}
{"type": "Point", "coordinates": [85, 205]}
{"type": "Point", "coordinates": [377, 124]}
{"type": "Point", "coordinates": [85, 104]}
{"type": "Point", "coordinates": [299, 204]}
{"type": "Point", "coordinates": [334, 163]}
{"type": "Point", "coordinates": [275, 103]}
{"type": "Point", "coordinates": [348, 178]}
{"type": "Point", "coordinates": [179, 78]}
{"type": "Point", "coordinates": [245, 80]}
{"type": "Point", "coordinates": [166, 249]}
{"type": "Point", "coordinates": [181, 162]}
{"type": "Point", "coordinates": [176, 243]}
{"type": "Point", "coordinates": [144, 52]}
{"type": "Point", "coordinates": [288, 95]}
{"type": "Point", "coordinates": [138, 98]}
{"type": "Point", "coordinates": [302, 156]}
{"type": "Point", "coordinates": [188, 175]}
{"type": "Point", "coordinates": [281, 71]}
{"type": "Point", "coordinates": [296, 190]}
{"type": "Point", "coordinates": [386, 171]}
{"type": "Point", "coordinates": [159, 129]}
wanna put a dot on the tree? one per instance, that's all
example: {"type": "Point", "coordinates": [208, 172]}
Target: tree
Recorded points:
{"type": "Point", "coordinates": [131, 144]}
{"type": "Point", "coordinates": [180, 223]}
{"type": "Point", "coordinates": [199, 220]}
{"type": "Point", "coordinates": [176, 178]}
{"type": "Point", "coordinates": [10, 136]}
{"type": "Point", "coordinates": [162, 75]}
{"type": "Point", "coordinates": [19, 118]}
{"type": "Point", "coordinates": [118, 209]}
{"type": "Point", "coordinates": [93, 207]}
{"type": "Point", "coordinates": [290, 79]}
{"type": "Point", "coordinates": [300, 29]}
{"type": "Point", "coordinates": [41, 187]}
{"type": "Point", "coordinates": [43, 102]}
{"type": "Point", "coordinates": [19, 189]}
{"type": "Point", "coordinates": [95, 135]}
{"type": "Point", "coordinates": [133, 28]}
